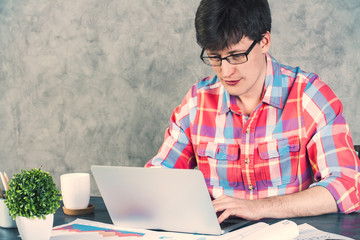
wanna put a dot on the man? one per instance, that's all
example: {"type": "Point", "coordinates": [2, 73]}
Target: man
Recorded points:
{"type": "Point", "coordinates": [270, 139]}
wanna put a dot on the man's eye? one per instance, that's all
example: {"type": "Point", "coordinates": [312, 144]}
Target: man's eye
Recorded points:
{"type": "Point", "coordinates": [237, 57]}
{"type": "Point", "coordinates": [214, 59]}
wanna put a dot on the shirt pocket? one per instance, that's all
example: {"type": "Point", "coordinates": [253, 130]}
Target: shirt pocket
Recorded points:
{"type": "Point", "coordinates": [219, 163]}
{"type": "Point", "coordinates": [279, 160]}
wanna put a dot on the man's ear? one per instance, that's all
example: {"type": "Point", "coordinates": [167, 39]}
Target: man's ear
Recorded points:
{"type": "Point", "coordinates": [265, 42]}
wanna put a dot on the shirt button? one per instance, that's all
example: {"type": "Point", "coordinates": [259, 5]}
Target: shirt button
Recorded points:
{"type": "Point", "coordinates": [248, 130]}
{"type": "Point", "coordinates": [247, 161]}
{"type": "Point", "coordinates": [251, 187]}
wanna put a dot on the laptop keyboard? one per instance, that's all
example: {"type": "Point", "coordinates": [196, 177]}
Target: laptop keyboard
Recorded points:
{"type": "Point", "coordinates": [226, 224]}
{"type": "Point", "coordinates": [229, 223]}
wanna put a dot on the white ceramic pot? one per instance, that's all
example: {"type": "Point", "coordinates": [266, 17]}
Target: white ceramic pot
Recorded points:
{"type": "Point", "coordinates": [6, 221]}
{"type": "Point", "coordinates": [35, 229]}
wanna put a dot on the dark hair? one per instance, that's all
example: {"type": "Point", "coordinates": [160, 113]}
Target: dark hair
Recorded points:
{"type": "Point", "coordinates": [222, 23]}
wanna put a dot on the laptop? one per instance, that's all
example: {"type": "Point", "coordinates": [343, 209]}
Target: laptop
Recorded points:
{"type": "Point", "coordinates": [159, 199]}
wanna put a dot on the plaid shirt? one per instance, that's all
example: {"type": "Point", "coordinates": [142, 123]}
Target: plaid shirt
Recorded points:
{"type": "Point", "coordinates": [295, 139]}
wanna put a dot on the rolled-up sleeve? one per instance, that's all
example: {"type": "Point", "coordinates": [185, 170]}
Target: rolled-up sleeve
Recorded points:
{"type": "Point", "coordinates": [334, 161]}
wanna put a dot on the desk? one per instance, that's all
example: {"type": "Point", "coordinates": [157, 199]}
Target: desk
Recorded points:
{"type": "Point", "coordinates": [343, 224]}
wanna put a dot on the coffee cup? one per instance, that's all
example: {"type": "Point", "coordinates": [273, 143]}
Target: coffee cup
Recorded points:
{"type": "Point", "coordinates": [75, 190]}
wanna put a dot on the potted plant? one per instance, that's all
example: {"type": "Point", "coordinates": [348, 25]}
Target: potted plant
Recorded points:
{"type": "Point", "coordinates": [32, 200]}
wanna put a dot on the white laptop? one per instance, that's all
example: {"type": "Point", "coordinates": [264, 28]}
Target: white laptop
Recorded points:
{"type": "Point", "coordinates": [159, 199]}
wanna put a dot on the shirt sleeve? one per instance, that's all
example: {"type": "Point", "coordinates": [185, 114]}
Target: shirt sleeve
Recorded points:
{"type": "Point", "coordinates": [331, 151]}
{"type": "Point", "coordinates": [177, 149]}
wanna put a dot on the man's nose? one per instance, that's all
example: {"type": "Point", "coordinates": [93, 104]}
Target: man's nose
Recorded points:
{"type": "Point", "coordinates": [227, 69]}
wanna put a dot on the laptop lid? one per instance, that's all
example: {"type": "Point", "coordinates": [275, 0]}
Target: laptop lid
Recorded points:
{"type": "Point", "coordinates": [157, 198]}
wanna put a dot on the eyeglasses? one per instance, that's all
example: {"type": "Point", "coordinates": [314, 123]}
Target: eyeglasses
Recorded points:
{"type": "Point", "coordinates": [234, 59]}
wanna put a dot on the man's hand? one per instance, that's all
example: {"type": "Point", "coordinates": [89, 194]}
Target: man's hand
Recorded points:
{"type": "Point", "coordinates": [310, 202]}
{"type": "Point", "coordinates": [231, 206]}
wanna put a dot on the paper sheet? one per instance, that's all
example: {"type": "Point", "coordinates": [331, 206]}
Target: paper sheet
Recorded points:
{"type": "Point", "coordinates": [85, 229]}
{"type": "Point", "coordinates": [308, 232]}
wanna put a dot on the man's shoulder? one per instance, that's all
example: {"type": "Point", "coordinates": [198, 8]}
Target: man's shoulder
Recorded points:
{"type": "Point", "coordinates": [298, 74]}
{"type": "Point", "coordinates": [295, 76]}
{"type": "Point", "coordinates": [310, 80]}
{"type": "Point", "coordinates": [208, 87]}
{"type": "Point", "coordinates": [287, 76]}
{"type": "Point", "coordinates": [311, 84]}
{"type": "Point", "coordinates": [205, 84]}
{"type": "Point", "coordinates": [294, 81]}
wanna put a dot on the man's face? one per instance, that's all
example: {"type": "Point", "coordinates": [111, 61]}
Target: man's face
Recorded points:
{"type": "Point", "coordinates": [246, 79]}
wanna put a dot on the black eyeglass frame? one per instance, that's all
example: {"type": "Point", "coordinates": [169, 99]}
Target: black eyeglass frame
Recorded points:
{"type": "Point", "coordinates": [227, 57]}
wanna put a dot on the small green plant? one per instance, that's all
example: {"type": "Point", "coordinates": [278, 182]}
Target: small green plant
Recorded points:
{"type": "Point", "coordinates": [32, 193]}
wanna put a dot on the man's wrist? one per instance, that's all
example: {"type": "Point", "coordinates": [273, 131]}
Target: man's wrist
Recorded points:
{"type": "Point", "coordinates": [269, 207]}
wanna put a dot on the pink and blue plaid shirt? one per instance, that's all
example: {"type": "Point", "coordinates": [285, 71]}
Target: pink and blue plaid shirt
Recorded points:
{"type": "Point", "coordinates": [295, 139]}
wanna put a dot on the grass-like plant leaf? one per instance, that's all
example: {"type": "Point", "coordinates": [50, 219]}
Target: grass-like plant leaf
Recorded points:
{"type": "Point", "coordinates": [32, 193]}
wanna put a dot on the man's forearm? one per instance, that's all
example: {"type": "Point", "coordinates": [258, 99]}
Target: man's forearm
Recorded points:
{"type": "Point", "coordinates": [310, 202]}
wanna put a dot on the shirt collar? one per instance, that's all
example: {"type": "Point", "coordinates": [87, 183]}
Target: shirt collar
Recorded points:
{"type": "Point", "coordinates": [274, 87]}
{"type": "Point", "coordinates": [224, 100]}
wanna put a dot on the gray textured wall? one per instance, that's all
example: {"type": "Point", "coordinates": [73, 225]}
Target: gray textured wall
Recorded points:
{"type": "Point", "coordinates": [94, 82]}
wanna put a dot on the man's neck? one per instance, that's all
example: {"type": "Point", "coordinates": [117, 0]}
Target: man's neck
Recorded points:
{"type": "Point", "coordinates": [248, 104]}
{"type": "Point", "coordinates": [249, 101]}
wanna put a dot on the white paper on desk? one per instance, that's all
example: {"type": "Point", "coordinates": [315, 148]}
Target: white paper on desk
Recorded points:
{"type": "Point", "coordinates": [308, 232]}
{"type": "Point", "coordinates": [66, 231]}
{"type": "Point", "coordinates": [90, 230]}
{"type": "Point", "coordinates": [237, 234]}
{"type": "Point", "coordinates": [64, 234]}
{"type": "Point", "coordinates": [283, 230]}
{"type": "Point", "coordinates": [242, 233]}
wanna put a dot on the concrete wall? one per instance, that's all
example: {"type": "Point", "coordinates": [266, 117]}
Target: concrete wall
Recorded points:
{"type": "Point", "coordinates": [94, 82]}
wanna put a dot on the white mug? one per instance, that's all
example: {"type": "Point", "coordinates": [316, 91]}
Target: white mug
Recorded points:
{"type": "Point", "coordinates": [75, 190]}
{"type": "Point", "coordinates": [6, 221]}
